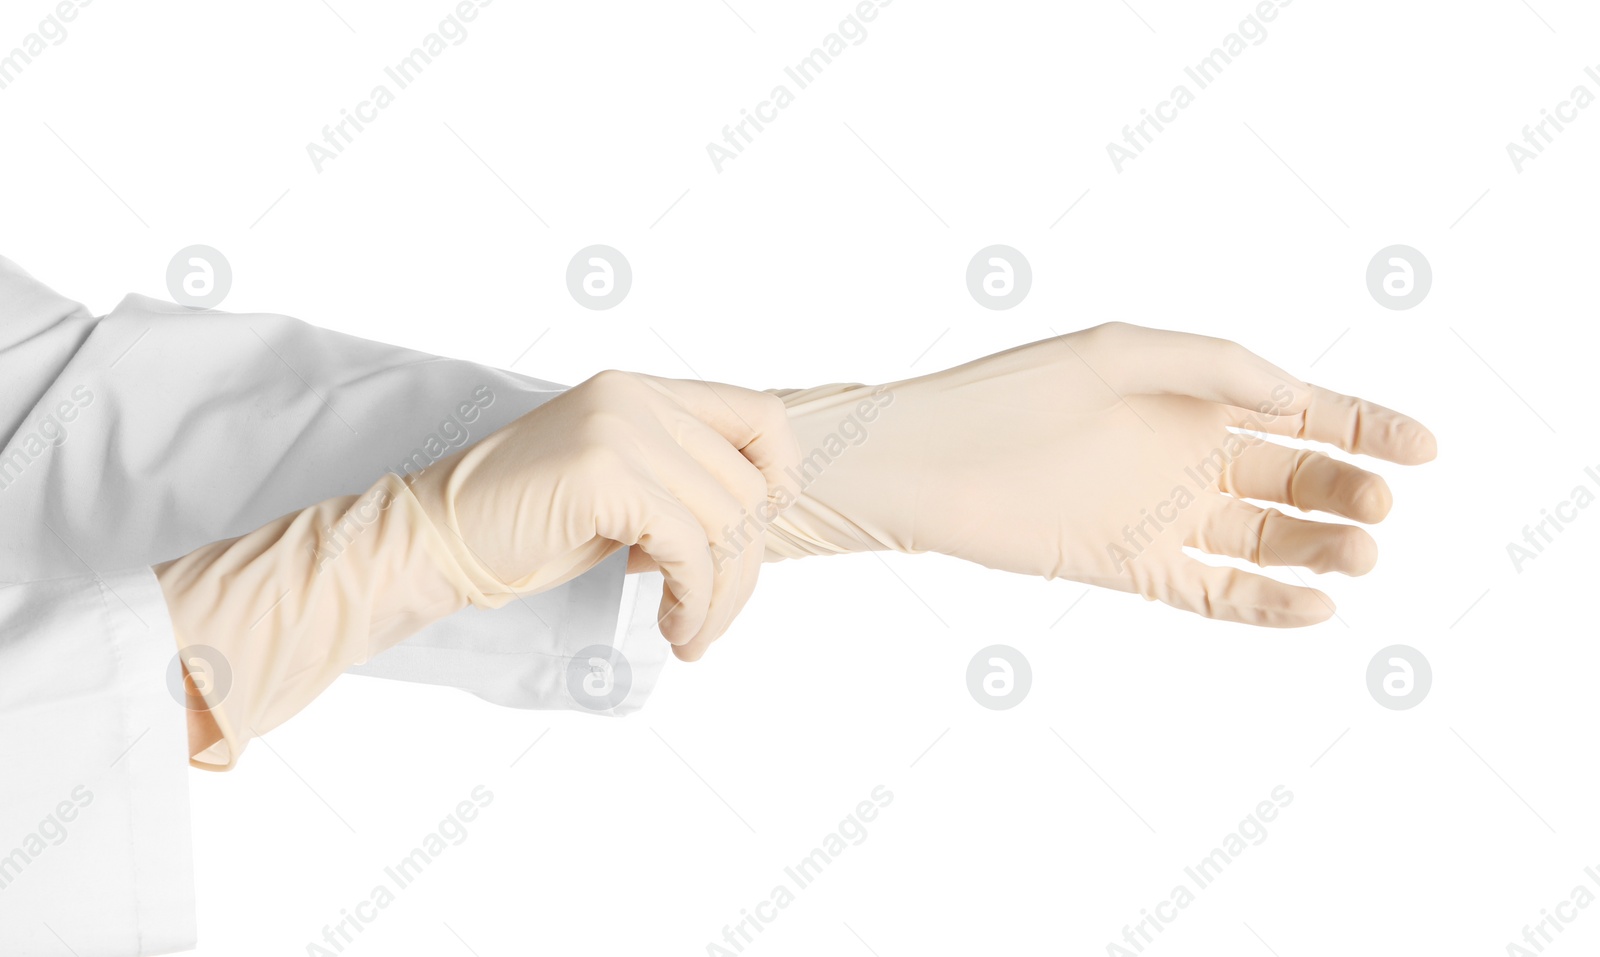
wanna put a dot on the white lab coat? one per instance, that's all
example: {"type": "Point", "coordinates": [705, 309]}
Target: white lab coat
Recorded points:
{"type": "Point", "coordinates": [137, 437]}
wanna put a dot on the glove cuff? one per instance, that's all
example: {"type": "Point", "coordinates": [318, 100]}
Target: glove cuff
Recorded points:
{"type": "Point", "coordinates": [835, 425]}
{"type": "Point", "coordinates": [290, 606]}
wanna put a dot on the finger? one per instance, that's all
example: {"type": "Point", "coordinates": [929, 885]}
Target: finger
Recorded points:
{"type": "Point", "coordinates": [735, 542]}
{"type": "Point", "coordinates": [744, 537]}
{"type": "Point", "coordinates": [665, 531]}
{"type": "Point", "coordinates": [735, 569]}
{"type": "Point", "coordinates": [741, 546]}
{"type": "Point", "coordinates": [1307, 480]}
{"type": "Point", "coordinates": [1352, 424]}
{"type": "Point", "coordinates": [1268, 537]}
{"type": "Point", "coordinates": [734, 581]}
{"type": "Point", "coordinates": [754, 423]}
{"type": "Point", "coordinates": [1233, 595]}
{"type": "Point", "coordinates": [1180, 363]}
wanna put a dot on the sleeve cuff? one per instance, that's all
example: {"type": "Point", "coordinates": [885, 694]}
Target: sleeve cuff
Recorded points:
{"type": "Point", "coordinates": [540, 651]}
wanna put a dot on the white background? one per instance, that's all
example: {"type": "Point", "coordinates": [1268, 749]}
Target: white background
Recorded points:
{"type": "Point", "coordinates": [1149, 734]}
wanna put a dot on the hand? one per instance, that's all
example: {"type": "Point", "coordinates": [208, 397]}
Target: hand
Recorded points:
{"type": "Point", "coordinates": [1097, 456]}
{"type": "Point", "coordinates": [677, 470]}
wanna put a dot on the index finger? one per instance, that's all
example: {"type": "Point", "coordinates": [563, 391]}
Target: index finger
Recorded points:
{"type": "Point", "coordinates": [1166, 362]}
{"type": "Point", "coordinates": [1352, 424]}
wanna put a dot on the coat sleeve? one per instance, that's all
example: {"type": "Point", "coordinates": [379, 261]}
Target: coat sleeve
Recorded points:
{"type": "Point", "coordinates": [139, 436]}
{"type": "Point", "coordinates": [40, 331]}
{"type": "Point", "coordinates": [95, 858]}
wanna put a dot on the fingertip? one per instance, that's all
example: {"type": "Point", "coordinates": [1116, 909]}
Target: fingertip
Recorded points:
{"type": "Point", "coordinates": [1304, 607]}
{"type": "Point", "coordinates": [695, 648]}
{"type": "Point", "coordinates": [1400, 438]}
{"type": "Point", "coordinates": [1425, 446]}
{"type": "Point", "coordinates": [689, 652]}
{"type": "Point", "coordinates": [1372, 501]}
{"type": "Point", "coordinates": [1358, 552]}
{"type": "Point", "coordinates": [1319, 607]}
{"type": "Point", "coordinates": [679, 623]}
{"type": "Point", "coordinates": [1300, 606]}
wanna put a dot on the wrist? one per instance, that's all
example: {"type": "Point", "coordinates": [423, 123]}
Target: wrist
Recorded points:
{"type": "Point", "coordinates": [839, 480]}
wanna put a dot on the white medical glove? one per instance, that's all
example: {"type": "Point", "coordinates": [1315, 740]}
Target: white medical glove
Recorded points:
{"type": "Point", "coordinates": [1097, 456]}
{"type": "Point", "coordinates": [670, 468]}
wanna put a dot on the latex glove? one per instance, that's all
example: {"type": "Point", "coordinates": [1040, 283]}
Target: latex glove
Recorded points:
{"type": "Point", "coordinates": [676, 468]}
{"type": "Point", "coordinates": [1097, 456]}
{"type": "Point", "coordinates": [669, 467]}
{"type": "Point", "coordinates": [266, 621]}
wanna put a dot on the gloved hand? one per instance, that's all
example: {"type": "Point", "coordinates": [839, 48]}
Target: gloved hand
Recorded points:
{"type": "Point", "coordinates": [1097, 456]}
{"type": "Point", "coordinates": [678, 469]}
{"type": "Point", "coordinates": [674, 469]}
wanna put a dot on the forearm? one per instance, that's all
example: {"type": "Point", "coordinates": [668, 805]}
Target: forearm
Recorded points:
{"type": "Point", "coordinates": [291, 605]}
